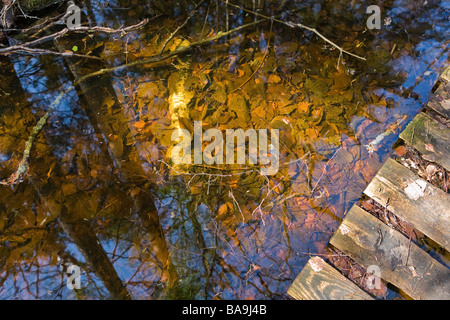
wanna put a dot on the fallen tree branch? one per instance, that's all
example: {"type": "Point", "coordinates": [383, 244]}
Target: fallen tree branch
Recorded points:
{"type": "Point", "coordinates": [21, 171]}
{"type": "Point", "coordinates": [159, 58]}
{"type": "Point", "coordinates": [62, 32]}
{"type": "Point", "coordinates": [44, 51]}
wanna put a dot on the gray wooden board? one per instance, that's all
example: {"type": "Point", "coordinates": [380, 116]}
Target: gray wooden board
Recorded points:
{"type": "Point", "coordinates": [419, 203]}
{"type": "Point", "coordinates": [320, 281]}
{"type": "Point", "coordinates": [440, 102]}
{"type": "Point", "coordinates": [445, 75]}
{"type": "Point", "coordinates": [372, 243]}
{"type": "Point", "coordinates": [430, 139]}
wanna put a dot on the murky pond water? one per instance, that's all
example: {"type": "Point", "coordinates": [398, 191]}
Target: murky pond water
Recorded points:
{"type": "Point", "coordinates": [102, 192]}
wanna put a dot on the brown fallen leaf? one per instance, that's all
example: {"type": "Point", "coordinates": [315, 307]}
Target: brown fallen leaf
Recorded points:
{"type": "Point", "coordinates": [139, 125]}
{"type": "Point", "coordinates": [273, 78]}
{"type": "Point", "coordinates": [222, 209]}
{"type": "Point", "coordinates": [400, 151]}
{"type": "Point", "coordinates": [303, 106]}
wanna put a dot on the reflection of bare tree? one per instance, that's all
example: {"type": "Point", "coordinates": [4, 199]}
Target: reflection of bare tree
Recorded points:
{"type": "Point", "coordinates": [126, 159]}
{"type": "Point", "coordinates": [80, 232]}
{"type": "Point", "coordinates": [115, 128]}
{"type": "Point", "coordinates": [77, 229]}
{"type": "Point", "coordinates": [83, 236]}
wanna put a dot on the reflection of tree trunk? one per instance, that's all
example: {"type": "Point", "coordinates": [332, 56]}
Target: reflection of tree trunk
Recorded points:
{"type": "Point", "coordinates": [79, 230]}
{"type": "Point", "coordinates": [112, 124]}
{"type": "Point", "coordinates": [82, 235]}
{"type": "Point", "coordinates": [11, 98]}
{"type": "Point", "coordinates": [148, 214]}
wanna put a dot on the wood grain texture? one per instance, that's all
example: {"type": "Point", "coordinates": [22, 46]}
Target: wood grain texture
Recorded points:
{"type": "Point", "coordinates": [440, 102]}
{"type": "Point", "coordinates": [320, 281]}
{"type": "Point", "coordinates": [370, 242]}
{"type": "Point", "coordinates": [445, 75]}
{"type": "Point", "coordinates": [432, 141]}
{"type": "Point", "coordinates": [422, 205]}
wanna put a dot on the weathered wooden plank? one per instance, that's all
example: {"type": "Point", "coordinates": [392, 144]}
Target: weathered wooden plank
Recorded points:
{"type": "Point", "coordinates": [320, 281]}
{"type": "Point", "coordinates": [432, 141]}
{"type": "Point", "coordinates": [370, 242]}
{"type": "Point", "coordinates": [440, 102]}
{"type": "Point", "coordinates": [445, 76]}
{"type": "Point", "coordinates": [422, 205]}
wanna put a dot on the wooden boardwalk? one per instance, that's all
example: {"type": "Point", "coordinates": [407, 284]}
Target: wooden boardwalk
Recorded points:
{"type": "Point", "coordinates": [372, 243]}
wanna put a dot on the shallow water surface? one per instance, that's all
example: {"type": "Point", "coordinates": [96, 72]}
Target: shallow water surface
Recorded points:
{"type": "Point", "coordinates": [102, 192]}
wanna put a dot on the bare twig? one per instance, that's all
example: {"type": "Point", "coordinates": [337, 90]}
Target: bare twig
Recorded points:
{"type": "Point", "coordinates": [260, 65]}
{"type": "Point", "coordinates": [324, 169]}
{"type": "Point", "coordinates": [205, 173]}
{"type": "Point", "coordinates": [64, 31]}
{"type": "Point", "coordinates": [23, 13]}
{"type": "Point", "coordinates": [20, 48]}
{"type": "Point", "coordinates": [409, 250]}
{"type": "Point", "coordinates": [380, 237]}
{"type": "Point", "coordinates": [386, 218]}
{"type": "Point", "coordinates": [237, 204]}
{"type": "Point", "coordinates": [191, 14]}
{"type": "Point", "coordinates": [206, 18]}
{"type": "Point", "coordinates": [258, 208]}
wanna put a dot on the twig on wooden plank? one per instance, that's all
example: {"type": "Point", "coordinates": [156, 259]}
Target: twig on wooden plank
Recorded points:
{"type": "Point", "coordinates": [386, 218]}
{"type": "Point", "coordinates": [409, 249]}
